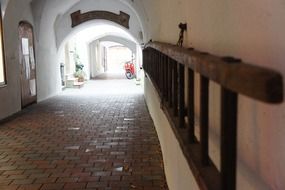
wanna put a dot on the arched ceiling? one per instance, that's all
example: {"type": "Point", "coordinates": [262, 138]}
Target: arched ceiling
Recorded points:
{"type": "Point", "coordinates": [103, 31]}
{"type": "Point", "coordinates": [50, 14]}
{"type": "Point", "coordinates": [130, 44]}
{"type": "Point", "coordinates": [63, 28]}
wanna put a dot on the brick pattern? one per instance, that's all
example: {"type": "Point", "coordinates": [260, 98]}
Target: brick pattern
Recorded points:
{"type": "Point", "coordinates": [86, 141]}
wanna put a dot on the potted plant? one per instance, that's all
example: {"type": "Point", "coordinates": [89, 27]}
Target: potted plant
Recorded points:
{"type": "Point", "coordinates": [79, 73]}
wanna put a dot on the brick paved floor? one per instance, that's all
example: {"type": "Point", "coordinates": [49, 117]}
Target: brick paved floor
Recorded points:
{"type": "Point", "coordinates": [83, 139]}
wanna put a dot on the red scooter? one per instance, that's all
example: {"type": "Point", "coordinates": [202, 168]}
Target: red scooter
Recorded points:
{"type": "Point", "coordinates": [130, 70]}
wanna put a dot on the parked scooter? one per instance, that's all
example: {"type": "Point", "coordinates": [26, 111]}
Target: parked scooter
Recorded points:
{"type": "Point", "coordinates": [130, 70]}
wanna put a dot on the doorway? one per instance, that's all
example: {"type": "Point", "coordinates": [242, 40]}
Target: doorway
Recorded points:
{"type": "Point", "coordinates": [27, 64]}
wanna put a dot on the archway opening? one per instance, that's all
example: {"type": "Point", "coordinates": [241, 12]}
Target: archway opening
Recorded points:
{"type": "Point", "coordinates": [117, 56]}
{"type": "Point", "coordinates": [100, 48]}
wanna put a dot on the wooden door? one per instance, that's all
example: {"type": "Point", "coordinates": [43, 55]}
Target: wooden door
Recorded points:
{"type": "Point", "coordinates": [27, 64]}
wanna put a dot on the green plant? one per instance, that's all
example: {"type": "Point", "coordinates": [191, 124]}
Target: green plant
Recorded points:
{"type": "Point", "coordinates": [78, 67]}
{"type": "Point", "coordinates": [80, 74]}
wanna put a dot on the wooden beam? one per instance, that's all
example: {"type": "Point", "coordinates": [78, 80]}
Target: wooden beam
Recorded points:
{"type": "Point", "coordinates": [181, 95]}
{"type": "Point", "coordinates": [228, 139]}
{"type": "Point", "coordinates": [253, 81]}
{"type": "Point", "coordinates": [170, 68]}
{"type": "Point", "coordinates": [191, 115]}
{"type": "Point", "coordinates": [204, 120]}
{"type": "Point", "coordinates": [175, 89]}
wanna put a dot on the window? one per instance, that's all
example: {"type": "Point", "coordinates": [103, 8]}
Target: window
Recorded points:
{"type": "Point", "coordinates": [2, 55]}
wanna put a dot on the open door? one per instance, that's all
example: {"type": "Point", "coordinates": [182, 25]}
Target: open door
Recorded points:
{"type": "Point", "coordinates": [27, 64]}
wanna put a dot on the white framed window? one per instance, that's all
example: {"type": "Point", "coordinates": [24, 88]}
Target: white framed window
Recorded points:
{"type": "Point", "coordinates": [2, 55]}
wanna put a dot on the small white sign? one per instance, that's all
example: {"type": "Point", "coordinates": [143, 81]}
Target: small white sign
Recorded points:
{"type": "Point", "coordinates": [25, 46]}
{"type": "Point", "coordinates": [33, 87]}
{"type": "Point", "coordinates": [27, 66]}
{"type": "Point", "coordinates": [32, 58]}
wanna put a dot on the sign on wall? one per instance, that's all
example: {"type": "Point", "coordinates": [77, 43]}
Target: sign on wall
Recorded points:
{"type": "Point", "coordinates": [121, 19]}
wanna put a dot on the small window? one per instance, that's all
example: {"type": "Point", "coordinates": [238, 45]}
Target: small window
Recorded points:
{"type": "Point", "coordinates": [2, 55]}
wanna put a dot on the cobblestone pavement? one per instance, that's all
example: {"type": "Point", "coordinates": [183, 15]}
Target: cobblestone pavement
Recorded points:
{"type": "Point", "coordinates": [98, 137]}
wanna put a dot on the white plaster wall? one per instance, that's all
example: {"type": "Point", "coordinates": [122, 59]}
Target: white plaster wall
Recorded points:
{"type": "Point", "coordinates": [139, 9]}
{"type": "Point", "coordinates": [95, 59]}
{"type": "Point", "coordinates": [253, 31]}
{"type": "Point", "coordinates": [47, 54]}
{"type": "Point", "coordinates": [14, 12]}
{"type": "Point", "coordinates": [178, 173]}
{"type": "Point", "coordinates": [138, 62]}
